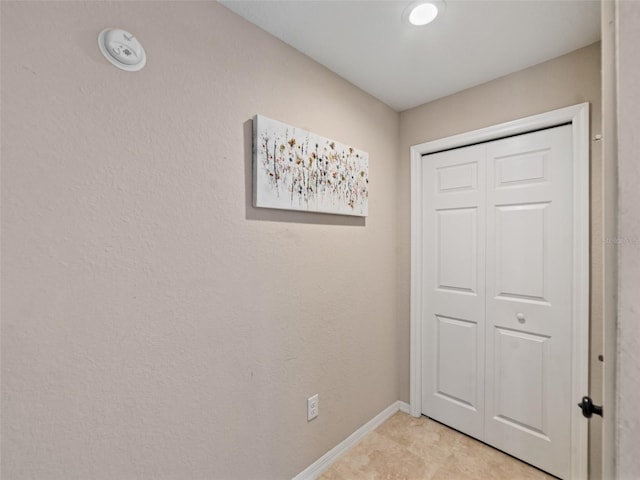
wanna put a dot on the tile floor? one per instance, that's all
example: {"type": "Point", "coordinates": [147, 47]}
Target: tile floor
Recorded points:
{"type": "Point", "coordinates": [408, 448]}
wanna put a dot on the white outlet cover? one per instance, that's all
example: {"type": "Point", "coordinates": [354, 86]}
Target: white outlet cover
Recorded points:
{"type": "Point", "coordinates": [122, 49]}
{"type": "Point", "coordinates": [312, 407]}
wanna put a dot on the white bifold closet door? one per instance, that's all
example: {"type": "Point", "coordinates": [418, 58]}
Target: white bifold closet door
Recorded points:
{"type": "Point", "coordinates": [497, 232]}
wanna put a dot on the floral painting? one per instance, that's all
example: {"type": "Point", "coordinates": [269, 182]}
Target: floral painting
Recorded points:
{"type": "Point", "coordinates": [297, 170]}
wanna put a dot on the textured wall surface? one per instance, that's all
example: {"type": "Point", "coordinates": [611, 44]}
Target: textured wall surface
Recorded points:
{"type": "Point", "coordinates": [567, 80]}
{"type": "Point", "coordinates": [628, 241]}
{"type": "Point", "coordinates": [154, 324]}
{"type": "Point", "coordinates": [610, 223]}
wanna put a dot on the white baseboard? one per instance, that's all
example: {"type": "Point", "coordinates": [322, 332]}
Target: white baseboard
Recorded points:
{"type": "Point", "coordinates": [404, 407]}
{"type": "Point", "coordinates": [314, 470]}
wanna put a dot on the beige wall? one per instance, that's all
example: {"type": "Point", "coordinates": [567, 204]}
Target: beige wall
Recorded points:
{"type": "Point", "coordinates": [564, 81]}
{"type": "Point", "coordinates": [628, 240]}
{"type": "Point", "coordinates": [154, 324]}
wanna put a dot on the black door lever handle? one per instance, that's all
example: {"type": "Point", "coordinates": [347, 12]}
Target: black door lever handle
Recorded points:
{"type": "Point", "coordinates": [588, 408]}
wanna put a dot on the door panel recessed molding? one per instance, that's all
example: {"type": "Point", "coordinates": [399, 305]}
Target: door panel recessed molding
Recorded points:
{"type": "Point", "coordinates": [456, 360]}
{"type": "Point", "coordinates": [457, 178]}
{"type": "Point", "coordinates": [521, 358]}
{"type": "Point", "coordinates": [523, 229]}
{"type": "Point", "coordinates": [457, 249]}
{"type": "Point", "coordinates": [522, 169]}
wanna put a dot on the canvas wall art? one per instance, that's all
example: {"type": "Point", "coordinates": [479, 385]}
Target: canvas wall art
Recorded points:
{"type": "Point", "coordinates": [297, 170]}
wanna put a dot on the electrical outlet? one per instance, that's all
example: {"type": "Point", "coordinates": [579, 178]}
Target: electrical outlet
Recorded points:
{"type": "Point", "coordinates": [312, 407]}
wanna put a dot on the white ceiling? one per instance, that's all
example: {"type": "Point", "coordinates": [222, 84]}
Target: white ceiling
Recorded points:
{"type": "Point", "coordinates": [471, 42]}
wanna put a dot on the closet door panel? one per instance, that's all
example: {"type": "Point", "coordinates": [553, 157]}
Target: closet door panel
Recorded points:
{"type": "Point", "coordinates": [454, 298]}
{"type": "Point", "coordinates": [529, 294]}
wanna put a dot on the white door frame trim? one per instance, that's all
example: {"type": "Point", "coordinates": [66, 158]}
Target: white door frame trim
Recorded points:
{"type": "Point", "coordinates": [578, 115]}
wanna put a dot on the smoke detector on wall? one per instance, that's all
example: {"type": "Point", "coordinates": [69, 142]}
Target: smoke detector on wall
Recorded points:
{"type": "Point", "coordinates": [122, 49]}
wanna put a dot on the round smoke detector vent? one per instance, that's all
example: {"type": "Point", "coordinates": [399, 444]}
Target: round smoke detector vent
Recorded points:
{"type": "Point", "coordinates": [122, 49]}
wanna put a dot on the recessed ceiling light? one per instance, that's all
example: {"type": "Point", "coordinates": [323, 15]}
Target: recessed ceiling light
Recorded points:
{"type": "Point", "coordinates": [422, 12]}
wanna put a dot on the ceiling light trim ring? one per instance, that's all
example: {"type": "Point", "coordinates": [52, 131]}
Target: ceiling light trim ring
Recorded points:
{"type": "Point", "coordinates": [422, 12]}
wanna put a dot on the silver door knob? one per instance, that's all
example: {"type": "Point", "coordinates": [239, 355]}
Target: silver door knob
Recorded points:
{"type": "Point", "coordinates": [520, 317]}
